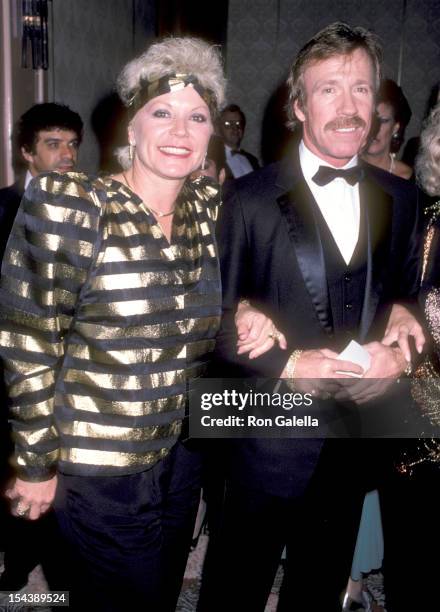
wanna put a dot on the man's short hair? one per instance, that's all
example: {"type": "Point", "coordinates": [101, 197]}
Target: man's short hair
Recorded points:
{"type": "Point", "coordinates": [46, 116]}
{"type": "Point", "coordinates": [336, 39]}
{"type": "Point", "coordinates": [234, 108]}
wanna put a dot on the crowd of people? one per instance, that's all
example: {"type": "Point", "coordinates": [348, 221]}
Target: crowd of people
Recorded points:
{"type": "Point", "coordinates": [119, 292]}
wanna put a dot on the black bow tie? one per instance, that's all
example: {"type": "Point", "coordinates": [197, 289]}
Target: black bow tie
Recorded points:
{"type": "Point", "coordinates": [235, 152]}
{"type": "Point", "coordinates": [326, 174]}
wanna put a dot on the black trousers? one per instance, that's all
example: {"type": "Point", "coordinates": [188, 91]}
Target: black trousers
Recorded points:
{"type": "Point", "coordinates": [319, 530]}
{"type": "Point", "coordinates": [127, 538]}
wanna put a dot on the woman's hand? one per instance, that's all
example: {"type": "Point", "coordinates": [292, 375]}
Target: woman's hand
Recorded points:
{"type": "Point", "coordinates": [256, 332]}
{"type": "Point", "coordinates": [32, 499]}
{"type": "Point", "coordinates": [400, 326]}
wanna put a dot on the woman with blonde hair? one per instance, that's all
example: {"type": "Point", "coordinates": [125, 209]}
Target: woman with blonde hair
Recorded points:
{"type": "Point", "coordinates": [111, 301]}
{"type": "Point", "coordinates": [412, 506]}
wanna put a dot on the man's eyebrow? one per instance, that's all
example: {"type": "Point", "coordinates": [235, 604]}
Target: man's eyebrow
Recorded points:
{"type": "Point", "coordinates": [325, 81]}
{"type": "Point", "coordinates": [55, 139]}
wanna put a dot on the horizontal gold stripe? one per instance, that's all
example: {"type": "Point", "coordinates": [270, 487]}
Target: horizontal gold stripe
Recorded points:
{"type": "Point", "coordinates": [31, 385]}
{"type": "Point", "coordinates": [70, 184]}
{"type": "Point", "coordinates": [55, 242]}
{"type": "Point", "coordinates": [160, 330]}
{"type": "Point", "coordinates": [126, 356]}
{"type": "Point", "coordinates": [134, 228]}
{"type": "Point", "coordinates": [37, 460]}
{"type": "Point", "coordinates": [141, 307]}
{"type": "Point", "coordinates": [135, 307]}
{"type": "Point", "coordinates": [49, 324]}
{"type": "Point", "coordinates": [33, 411]}
{"type": "Point", "coordinates": [23, 368]}
{"type": "Point", "coordinates": [98, 405]}
{"type": "Point", "coordinates": [26, 342]}
{"type": "Point", "coordinates": [46, 270]}
{"type": "Point", "coordinates": [142, 253]}
{"type": "Point", "coordinates": [111, 458]}
{"type": "Point", "coordinates": [60, 214]}
{"type": "Point", "coordinates": [96, 431]}
{"type": "Point", "coordinates": [38, 436]}
{"type": "Point", "coordinates": [39, 296]}
{"type": "Point", "coordinates": [139, 280]}
{"type": "Point", "coordinates": [189, 351]}
{"type": "Point", "coordinates": [128, 383]}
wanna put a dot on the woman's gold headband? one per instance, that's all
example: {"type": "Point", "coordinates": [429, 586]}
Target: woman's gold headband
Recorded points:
{"type": "Point", "coordinates": [171, 83]}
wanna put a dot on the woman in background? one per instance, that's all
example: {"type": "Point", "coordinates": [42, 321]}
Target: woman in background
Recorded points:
{"type": "Point", "coordinates": [393, 114]}
{"type": "Point", "coordinates": [412, 534]}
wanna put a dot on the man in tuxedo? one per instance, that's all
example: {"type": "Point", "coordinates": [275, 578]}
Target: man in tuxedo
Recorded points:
{"type": "Point", "coordinates": [329, 249]}
{"type": "Point", "coordinates": [47, 137]}
{"type": "Point", "coordinates": [231, 126]}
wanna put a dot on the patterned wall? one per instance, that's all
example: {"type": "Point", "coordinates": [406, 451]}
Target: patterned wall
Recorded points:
{"type": "Point", "coordinates": [91, 43]}
{"type": "Point", "coordinates": [264, 36]}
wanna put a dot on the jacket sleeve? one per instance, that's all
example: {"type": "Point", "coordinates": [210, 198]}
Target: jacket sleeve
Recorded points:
{"type": "Point", "coordinates": [236, 261]}
{"type": "Point", "coordinates": [46, 262]}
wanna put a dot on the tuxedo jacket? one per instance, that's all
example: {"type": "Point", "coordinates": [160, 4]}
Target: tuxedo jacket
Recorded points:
{"type": "Point", "coordinates": [271, 252]}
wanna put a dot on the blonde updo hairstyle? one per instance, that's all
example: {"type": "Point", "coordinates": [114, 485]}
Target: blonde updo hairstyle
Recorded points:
{"type": "Point", "coordinates": [428, 159]}
{"type": "Point", "coordinates": [172, 55]}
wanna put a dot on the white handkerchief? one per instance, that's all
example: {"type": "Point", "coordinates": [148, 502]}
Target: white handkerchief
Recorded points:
{"type": "Point", "coordinates": [355, 353]}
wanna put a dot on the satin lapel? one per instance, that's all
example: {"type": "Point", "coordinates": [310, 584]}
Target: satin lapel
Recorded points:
{"type": "Point", "coordinates": [297, 206]}
{"type": "Point", "coordinates": [377, 206]}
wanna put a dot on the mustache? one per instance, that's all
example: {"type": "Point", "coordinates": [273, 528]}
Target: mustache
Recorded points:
{"type": "Point", "coordinates": [345, 122]}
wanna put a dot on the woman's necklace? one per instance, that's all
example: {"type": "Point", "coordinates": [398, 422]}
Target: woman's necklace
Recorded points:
{"type": "Point", "coordinates": [392, 162]}
{"type": "Point", "coordinates": [159, 213]}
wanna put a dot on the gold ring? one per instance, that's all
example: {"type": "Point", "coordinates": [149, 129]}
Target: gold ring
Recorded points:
{"type": "Point", "coordinates": [275, 335]}
{"type": "Point", "coordinates": [271, 335]}
{"type": "Point", "coordinates": [21, 510]}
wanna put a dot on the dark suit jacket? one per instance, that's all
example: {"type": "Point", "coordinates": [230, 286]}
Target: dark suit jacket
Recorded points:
{"type": "Point", "coordinates": [271, 253]}
{"type": "Point", "coordinates": [10, 198]}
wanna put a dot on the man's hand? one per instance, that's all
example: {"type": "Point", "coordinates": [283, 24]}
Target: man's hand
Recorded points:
{"type": "Point", "coordinates": [400, 326]}
{"type": "Point", "coordinates": [256, 332]}
{"type": "Point", "coordinates": [314, 368]}
{"type": "Point", "coordinates": [387, 364]}
{"type": "Point", "coordinates": [32, 499]}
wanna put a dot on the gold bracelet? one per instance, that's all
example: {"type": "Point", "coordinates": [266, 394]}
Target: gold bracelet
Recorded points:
{"type": "Point", "coordinates": [291, 364]}
{"type": "Point", "coordinates": [290, 369]}
{"type": "Point", "coordinates": [244, 303]}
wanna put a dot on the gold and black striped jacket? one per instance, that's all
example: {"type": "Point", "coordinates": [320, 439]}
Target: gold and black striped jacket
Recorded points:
{"type": "Point", "coordinates": [103, 322]}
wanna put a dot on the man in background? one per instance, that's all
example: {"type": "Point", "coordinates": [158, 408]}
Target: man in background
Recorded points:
{"type": "Point", "coordinates": [47, 138]}
{"type": "Point", "coordinates": [231, 128]}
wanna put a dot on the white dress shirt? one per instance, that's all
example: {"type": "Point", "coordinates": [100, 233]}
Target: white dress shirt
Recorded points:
{"type": "Point", "coordinates": [238, 163]}
{"type": "Point", "coordinates": [338, 201]}
{"type": "Point", "coordinates": [27, 179]}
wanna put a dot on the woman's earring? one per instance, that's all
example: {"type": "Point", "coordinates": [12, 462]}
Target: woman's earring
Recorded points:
{"type": "Point", "coordinates": [203, 166]}
{"type": "Point", "coordinates": [130, 152]}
